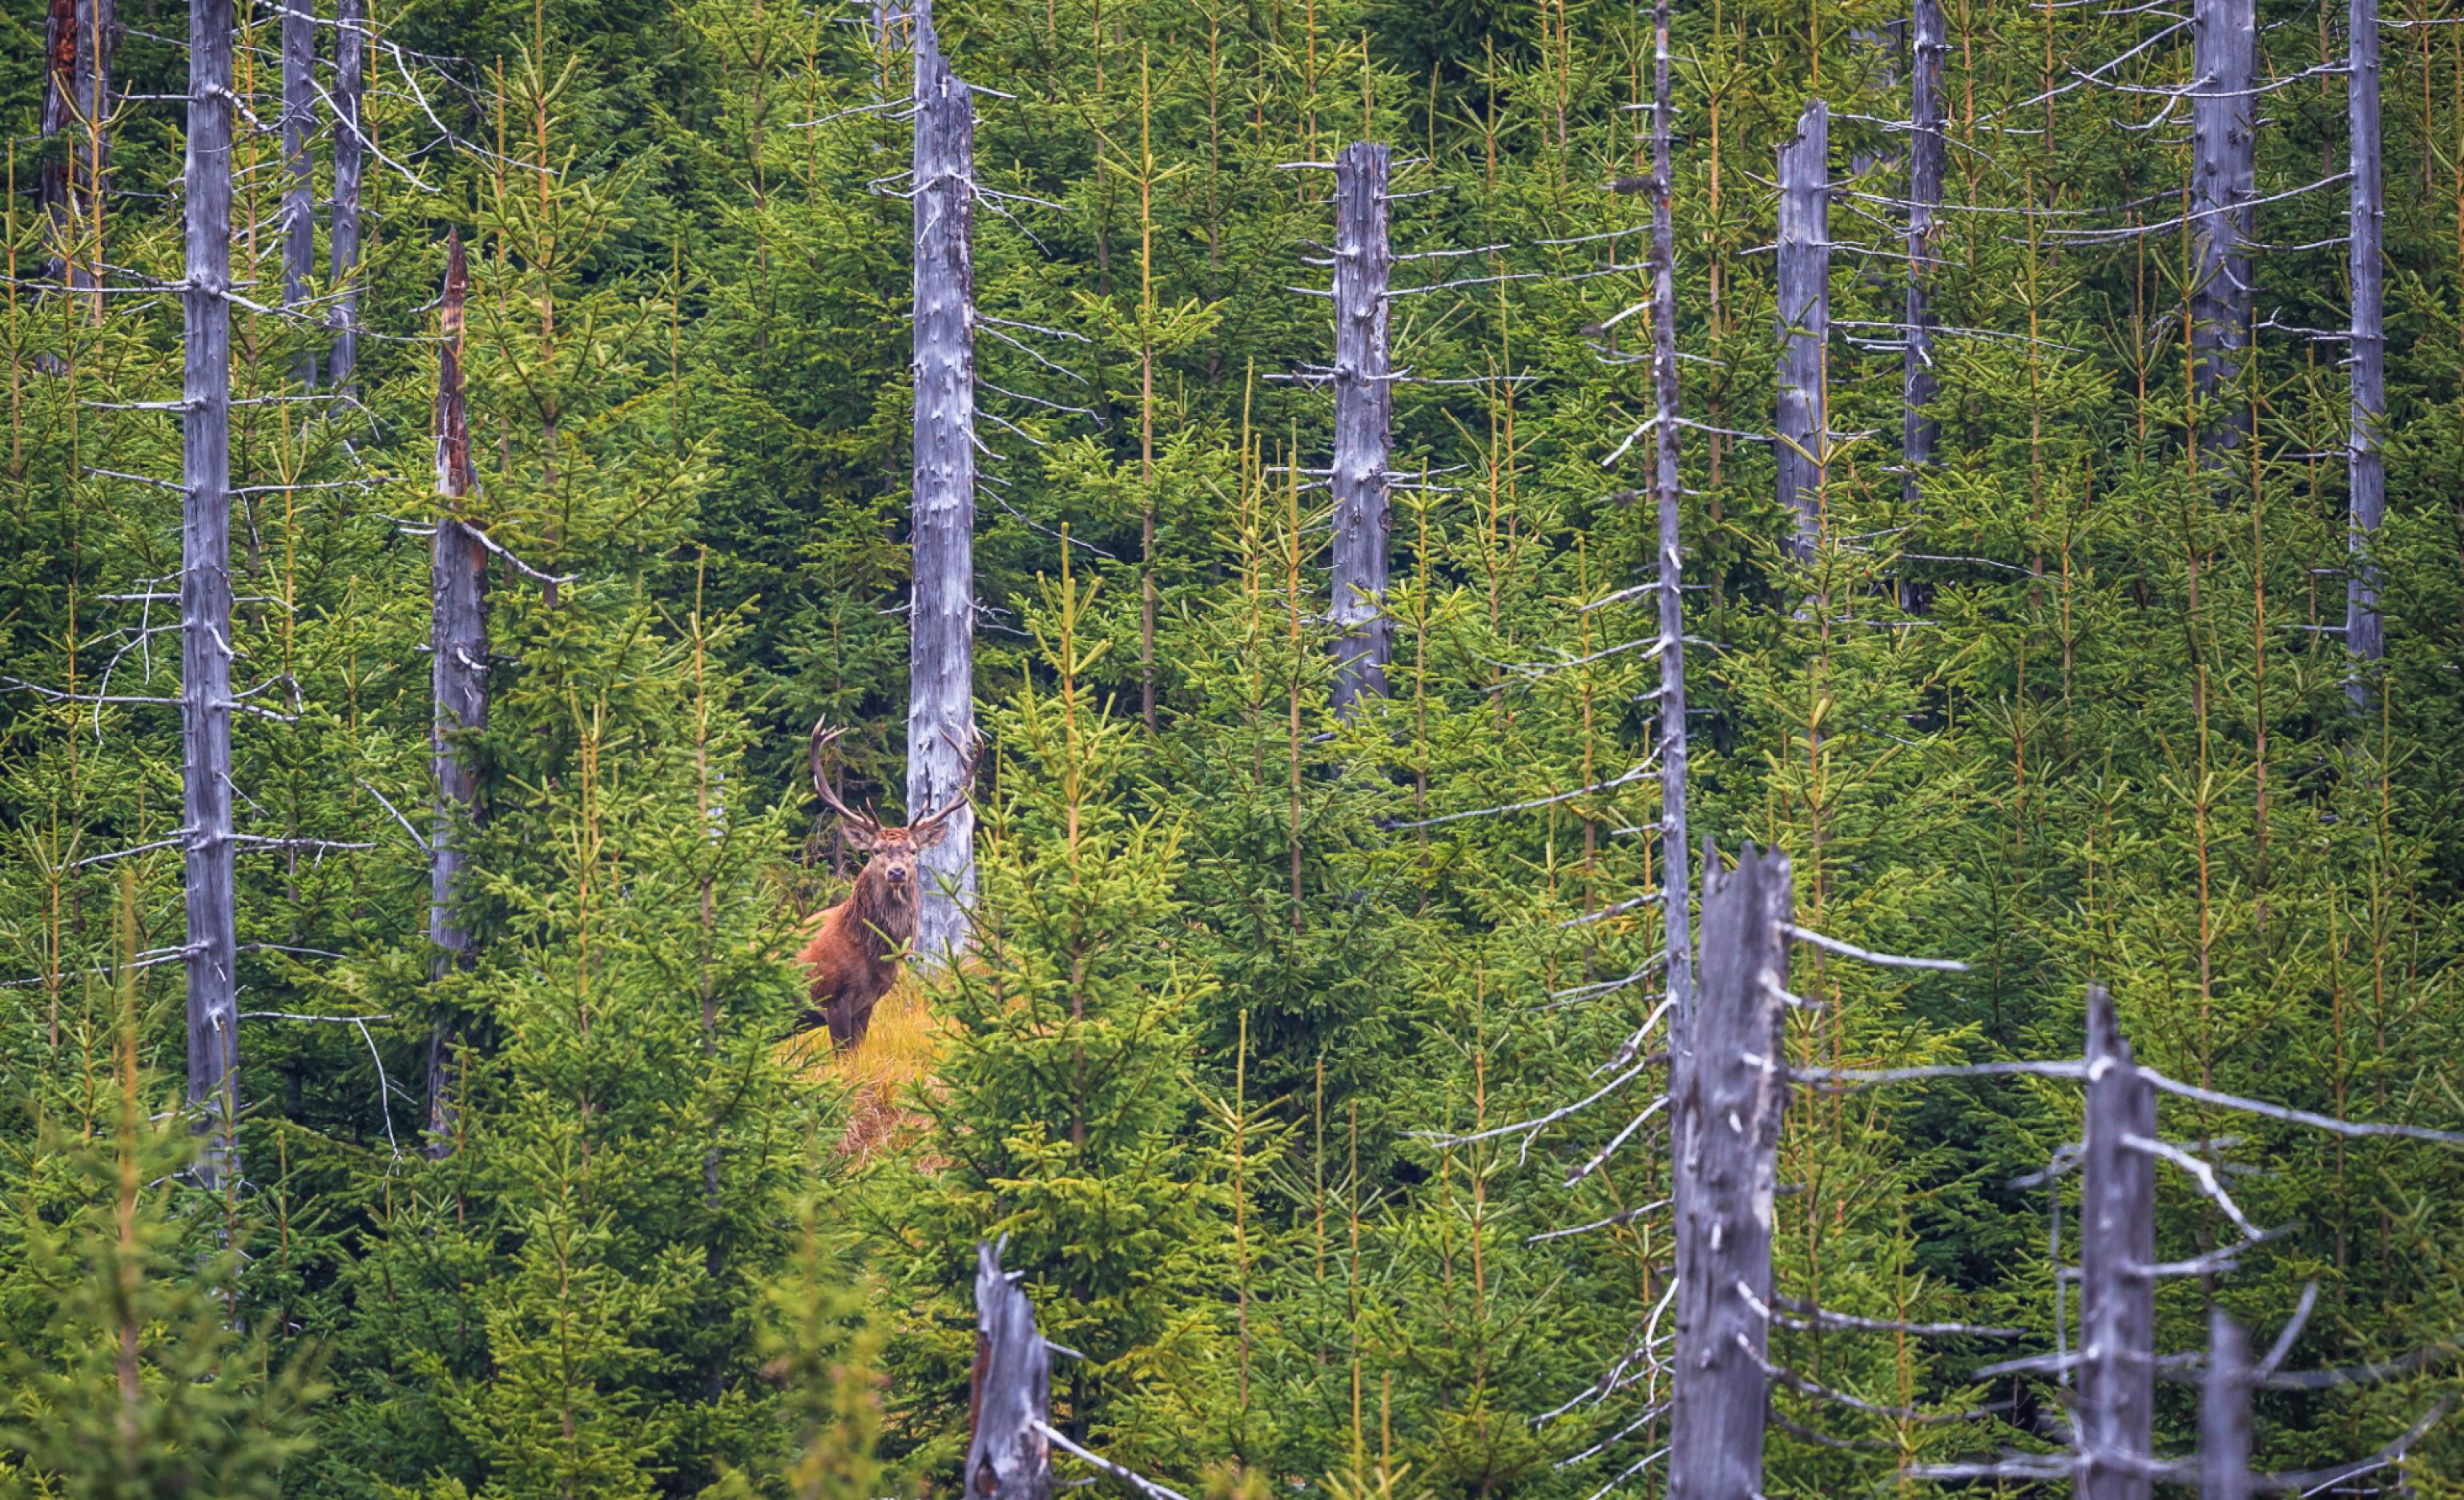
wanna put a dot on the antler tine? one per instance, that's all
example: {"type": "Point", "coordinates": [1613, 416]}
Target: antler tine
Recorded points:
{"type": "Point", "coordinates": [969, 758]}
{"type": "Point", "coordinates": [823, 737]}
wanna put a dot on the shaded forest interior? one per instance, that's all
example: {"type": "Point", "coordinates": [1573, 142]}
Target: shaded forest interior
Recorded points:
{"type": "Point", "coordinates": [1379, 502]}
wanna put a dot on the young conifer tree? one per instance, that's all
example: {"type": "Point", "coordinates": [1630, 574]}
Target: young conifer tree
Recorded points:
{"type": "Point", "coordinates": [124, 1371]}
{"type": "Point", "coordinates": [1068, 1110]}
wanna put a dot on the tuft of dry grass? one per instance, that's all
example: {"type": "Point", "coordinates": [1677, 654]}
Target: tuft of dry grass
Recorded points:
{"type": "Point", "coordinates": [880, 1074]}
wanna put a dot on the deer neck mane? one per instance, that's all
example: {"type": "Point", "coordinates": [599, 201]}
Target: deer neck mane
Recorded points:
{"type": "Point", "coordinates": [884, 915]}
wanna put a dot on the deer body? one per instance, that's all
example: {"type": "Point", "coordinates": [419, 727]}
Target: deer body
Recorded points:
{"type": "Point", "coordinates": [854, 957]}
{"type": "Point", "coordinates": [855, 954]}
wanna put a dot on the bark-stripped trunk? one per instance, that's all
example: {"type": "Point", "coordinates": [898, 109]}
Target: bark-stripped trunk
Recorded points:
{"type": "Point", "coordinates": [2365, 633]}
{"type": "Point", "coordinates": [77, 43]}
{"type": "Point", "coordinates": [1925, 161]}
{"type": "Point", "coordinates": [1364, 421]}
{"type": "Point", "coordinates": [298, 194]}
{"type": "Point", "coordinates": [459, 662]}
{"type": "Point", "coordinates": [1727, 1155]}
{"type": "Point", "coordinates": [2117, 1243]}
{"type": "Point", "coordinates": [1008, 1455]}
{"type": "Point", "coordinates": [940, 708]}
{"type": "Point", "coordinates": [2224, 1412]}
{"type": "Point", "coordinates": [350, 166]}
{"type": "Point", "coordinates": [1804, 322]}
{"type": "Point", "coordinates": [2223, 137]}
{"type": "Point", "coordinates": [205, 595]}
{"type": "Point", "coordinates": [1676, 884]}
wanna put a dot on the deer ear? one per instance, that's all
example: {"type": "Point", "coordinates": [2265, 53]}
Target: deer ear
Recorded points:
{"type": "Point", "coordinates": [928, 836]}
{"type": "Point", "coordinates": [859, 838]}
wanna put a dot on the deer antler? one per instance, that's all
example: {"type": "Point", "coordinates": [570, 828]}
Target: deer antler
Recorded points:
{"type": "Point", "coordinates": [823, 737]}
{"type": "Point", "coordinates": [968, 760]}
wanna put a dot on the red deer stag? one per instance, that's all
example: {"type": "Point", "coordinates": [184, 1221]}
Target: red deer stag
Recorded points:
{"type": "Point", "coordinates": [854, 958]}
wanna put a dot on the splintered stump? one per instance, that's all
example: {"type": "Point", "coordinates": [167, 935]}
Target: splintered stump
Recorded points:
{"type": "Point", "coordinates": [1728, 1094]}
{"type": "Point", "coordinates": [2117, 1249]}
{"type": "Point", "coordinates": [1009, 1457]}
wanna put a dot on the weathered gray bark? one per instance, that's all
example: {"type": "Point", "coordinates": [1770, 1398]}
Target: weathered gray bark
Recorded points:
{"type": "Point", "coordinates": [350, 166]}
{"type": "Point", "coordinates": [458, 668]}
{"type": "Point", "coordinates": [1925, 161]}
{"type": "Point", "coordinates": [205, 595]}
{"type": "Point", "coordinates": [941, 705]}
{"type": "Point", "coordinates": [2365, 633]}
{"type": "Point", "coordinates": [298, 36]}
{"type": "Point", "coordinates": [79, 41]}
{"type": "Point", "coordinates": [1364, 422]}
{"type": "Point", "coordinates": [1008, 1456]}
{"type": "Point", "coordinates": [2224, 1412]}
{"type": "Point", "coordinates": [1676, 883]}
{"type": "Point", "coordinates": [1727, 1171]}
{"type": "Point", "coordinates": [1804, 322]}
{"type": "Point", "coordinates": [2222, 179]}
{"type": "Point", "coordinates": [2117, 1248]}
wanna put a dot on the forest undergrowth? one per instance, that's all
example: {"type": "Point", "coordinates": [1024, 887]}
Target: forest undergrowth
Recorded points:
{"type": "Point", "coordinates": [1255, 1063]}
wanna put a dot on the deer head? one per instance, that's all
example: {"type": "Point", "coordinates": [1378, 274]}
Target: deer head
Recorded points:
{"type": "Point", "coordinates": [891, 851]}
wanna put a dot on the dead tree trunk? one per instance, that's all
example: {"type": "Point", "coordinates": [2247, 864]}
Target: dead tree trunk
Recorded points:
{"type": "Point", "coordinates": [1364, 421]}
{"type": "Point", "coordinates": [205, 595]}
{"type": "Point", "coordinates": [1726, 1170]}
{"type": "Point", "coordinates": [298, 194]}
{"type": "Point", "coordinates": [350, 166]}
{"type": "Point", "coordinates": [1676, 883]}
{"type": "Point", "coordinates": [1804, 322]}
{"type": "Point", "coordinates": [941, 709]}
{"type": "Point", "coordinates": [1008, 1456]}
{"type": "Point", "coordinates": [1925, 161]}
{"type": "Point", "coordinates": [2117, 1248]}
{"type": "Point", "coordinates": [2223, 175]}
{"type": "Point", "coordinates": [78, 37]}
{"type": "Point", "coordinates": [458, 667]}
{"type": "Point", "coordinates": [2224, 1412]}
{"type": "Point", "coordinates": [2365, 633]}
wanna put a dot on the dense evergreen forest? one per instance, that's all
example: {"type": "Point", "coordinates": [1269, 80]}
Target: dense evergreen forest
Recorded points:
{"type": "Point", "coordinates": [2006, 454]}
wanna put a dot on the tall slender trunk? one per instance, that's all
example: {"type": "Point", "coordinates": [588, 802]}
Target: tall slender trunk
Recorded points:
{"type": "Point", "coordinates": [940, 708]}
{"type": "Point", "coordinates": [1804, 320]}
{"type": "Point", "coordinates": [77, 45]}
{"type": "Point", "coordinates": [458, 667]}
{"type": "Point", "coordinates": [1364, 421]}
{"type": "Point", "coordinates": [2223, 138]}
{"type": "Point", "coordinates": [2365, 633]}
{"type": "Point", "coordinates": [350, 166]}
{"type": "Point", "coordinates": [1676, 884]}
{"type": "Point", "coordinates": [1147, 598]}
{"type": "Point", "coordinates": [1875, 60]}
{"type": "Point", "coordinates": [1925, 161]}
{"type": "Point", "coordinates": [205, 595]}
{"type": "Point", "coordinates": [298, 169]}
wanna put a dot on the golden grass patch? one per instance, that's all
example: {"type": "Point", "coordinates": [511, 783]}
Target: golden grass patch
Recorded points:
{"type": "Point", "coordinates": [896, 1057]}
